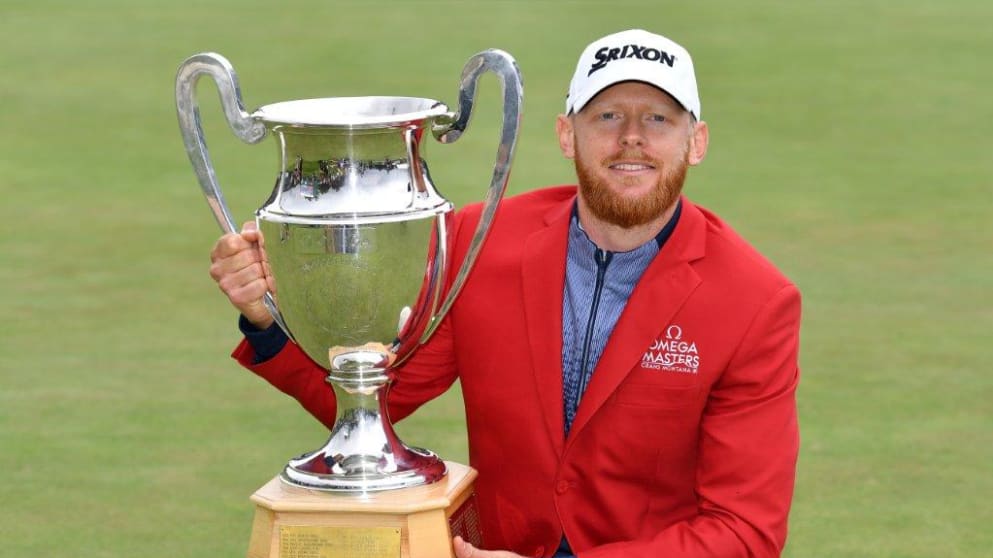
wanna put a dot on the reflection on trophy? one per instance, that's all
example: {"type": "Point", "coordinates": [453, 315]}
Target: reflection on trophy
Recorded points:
{"type": "Point", "coordinates": [356, 235]}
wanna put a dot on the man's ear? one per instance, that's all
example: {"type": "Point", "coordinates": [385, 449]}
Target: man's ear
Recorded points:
{"type": "Point", "coordinates": [698, 143]}
{"type": "Point", "coordinates": [567, 137]}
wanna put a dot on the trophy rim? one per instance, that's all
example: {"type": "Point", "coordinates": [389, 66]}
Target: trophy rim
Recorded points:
{"type": "Point", "coordinates": [348, 112]}
{"type": "Point", "coordinates": [354, 218]}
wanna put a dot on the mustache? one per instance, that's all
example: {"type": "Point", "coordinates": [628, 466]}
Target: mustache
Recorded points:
{"type": "Point", "coordinates": [631, 157]}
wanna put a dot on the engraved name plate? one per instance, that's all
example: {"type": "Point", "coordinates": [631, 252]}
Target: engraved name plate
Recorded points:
{"type": "Point", "coordinates": [316, 541]}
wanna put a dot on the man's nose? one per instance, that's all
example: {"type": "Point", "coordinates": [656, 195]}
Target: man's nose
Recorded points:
{"type": "Point", "coordinates": [632, 134]}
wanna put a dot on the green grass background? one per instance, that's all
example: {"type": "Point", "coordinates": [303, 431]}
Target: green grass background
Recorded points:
{"type": "Point", "coordinates": [850, 143]}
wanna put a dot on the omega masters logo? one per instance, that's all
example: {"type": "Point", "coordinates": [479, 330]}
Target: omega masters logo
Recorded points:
{"type": "Point", "coordinates": [672, 353]}
{"type": "Point", "coordinates": [606, 54]}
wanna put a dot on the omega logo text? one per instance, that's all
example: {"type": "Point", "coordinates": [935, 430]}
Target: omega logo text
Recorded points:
{"type": "Point", "coordinates": [672, 353]}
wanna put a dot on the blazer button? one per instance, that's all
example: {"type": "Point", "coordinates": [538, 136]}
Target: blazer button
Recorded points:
{"type": "Point", "coordinates": [539, 552]}
{"type": "Point", "coordinates": [562, 487]}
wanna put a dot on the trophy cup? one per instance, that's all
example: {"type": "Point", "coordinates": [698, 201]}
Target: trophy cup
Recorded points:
{"type": "Point", "coordinates": [356, 236]}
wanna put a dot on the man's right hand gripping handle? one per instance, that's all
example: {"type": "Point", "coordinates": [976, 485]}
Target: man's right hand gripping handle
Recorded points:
{"type": "Point", "coordinates": [239, 267]}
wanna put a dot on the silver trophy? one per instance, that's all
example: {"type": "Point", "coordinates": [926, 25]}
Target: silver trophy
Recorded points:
{"type": "Point", "coordinates": [356, 236]}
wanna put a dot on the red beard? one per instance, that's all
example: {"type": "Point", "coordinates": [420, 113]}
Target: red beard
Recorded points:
{"type": "Point", "coordinates": [608, 206]}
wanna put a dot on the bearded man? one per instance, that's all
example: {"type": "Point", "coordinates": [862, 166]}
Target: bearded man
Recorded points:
{"type": "Point", "coordinates": [628, 362]}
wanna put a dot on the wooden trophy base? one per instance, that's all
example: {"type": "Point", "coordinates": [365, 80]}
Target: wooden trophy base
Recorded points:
{"type": "Point", "coordinates": [418, 522]}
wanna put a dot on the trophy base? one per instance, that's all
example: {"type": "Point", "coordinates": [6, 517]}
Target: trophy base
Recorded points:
{"type": "Point", "coordinates": [418, 522]}
{"type": "Point", "coordinates": [364, 473]}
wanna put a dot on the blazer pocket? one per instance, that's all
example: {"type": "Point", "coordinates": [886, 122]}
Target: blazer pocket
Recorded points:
{"type": "Point", "coordinates": [656, 395]}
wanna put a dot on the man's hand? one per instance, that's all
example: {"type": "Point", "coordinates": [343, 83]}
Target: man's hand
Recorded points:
{"type": "Point", "coordinates": [466, 550]}
{"type": "Point", "coordinates": [239, 267]}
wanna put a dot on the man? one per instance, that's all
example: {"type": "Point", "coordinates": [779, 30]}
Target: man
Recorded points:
{"type": "Point", "coordinates": [628, 362]}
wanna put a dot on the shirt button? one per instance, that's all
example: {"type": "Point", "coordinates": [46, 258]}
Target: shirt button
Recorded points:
{"type": "Point", "coordinates": [562, 487]}
{"type": "Point", "coordinates": [539, 552]}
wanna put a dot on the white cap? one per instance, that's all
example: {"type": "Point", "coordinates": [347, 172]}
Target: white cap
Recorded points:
{"type": "Point", "coordinates": [634, 55]}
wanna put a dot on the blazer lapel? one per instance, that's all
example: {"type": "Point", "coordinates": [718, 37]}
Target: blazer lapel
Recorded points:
{"type": "Point", "coordinates": [666, 284]}
{"type": "Point", "coordinates": [543, 275]}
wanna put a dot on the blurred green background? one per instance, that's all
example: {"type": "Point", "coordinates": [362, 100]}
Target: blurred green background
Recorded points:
{"type": "Point", "coordinates": [850, 142]}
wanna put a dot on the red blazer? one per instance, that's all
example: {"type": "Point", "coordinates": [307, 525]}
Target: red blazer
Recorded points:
{"type": "Point", "coordinates": [685, 442]}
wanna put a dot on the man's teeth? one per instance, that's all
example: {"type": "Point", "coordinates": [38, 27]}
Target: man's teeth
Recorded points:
{"type": "Point", "coordinates": [629, 166]}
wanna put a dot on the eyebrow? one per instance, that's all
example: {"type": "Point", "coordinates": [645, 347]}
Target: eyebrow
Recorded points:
{"type": "Point", "coordinates": [669, 107]}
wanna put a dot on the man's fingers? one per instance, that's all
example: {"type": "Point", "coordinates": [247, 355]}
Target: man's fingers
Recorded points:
{"type": "Point", "coordinates": [462, 548]}
{"type": "Point", "coordinates": [465, 550]}
{"type": "Point", "coordinates": [246, 294]}
{"type": "Point", "coordinates": [243, 259]}
{"type": "Point", "coordinates": [229, 245]}
{"type": "Point", "coordinates": [236, 281]}
{"type": "Point", "coordinates": [236, 262]}
{"type": "Point", "coordinates": [251, 233]}
{"type": "Point", "coordinates": [241, 272]}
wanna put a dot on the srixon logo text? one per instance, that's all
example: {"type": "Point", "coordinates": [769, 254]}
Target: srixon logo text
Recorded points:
{"type": "Point", "coordinates": [606, 54]}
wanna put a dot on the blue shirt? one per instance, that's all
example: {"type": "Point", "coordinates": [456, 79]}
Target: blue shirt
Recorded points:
{"type": "Point", "coordinates": [598, 284]}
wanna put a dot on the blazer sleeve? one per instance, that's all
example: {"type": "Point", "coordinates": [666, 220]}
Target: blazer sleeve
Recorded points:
{"type": "Point", "coordinates": [748, 447]}
{"type": "Point", "coordinates": [292, 372]}
{"type": "Point", "coordinates": [428, 374]}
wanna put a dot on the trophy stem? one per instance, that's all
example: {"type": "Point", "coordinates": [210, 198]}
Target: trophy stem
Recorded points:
{"type": "Point", "coordinates": [363, 452]}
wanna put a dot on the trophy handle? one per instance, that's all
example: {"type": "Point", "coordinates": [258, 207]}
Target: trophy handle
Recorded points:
{"type": "Point", "coordinates": [450, 129]}
{"type": "Point", "coordinates": [241, 123]}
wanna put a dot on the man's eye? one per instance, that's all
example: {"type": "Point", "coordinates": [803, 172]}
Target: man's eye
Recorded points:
{"type": "Point", "coordinates": [608, 116]}
{"type": "Point", "coordinates": [656, 118]}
